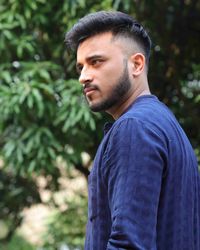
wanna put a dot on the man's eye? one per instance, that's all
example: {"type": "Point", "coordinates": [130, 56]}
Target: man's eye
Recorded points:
{"type": "Point", "coordinates": [96, 61]}
{"type": "Point", "coordinates": [79, 69]}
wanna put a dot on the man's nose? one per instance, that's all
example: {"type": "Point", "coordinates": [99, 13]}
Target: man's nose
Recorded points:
{"type": "Point", "coordinates": [85, 76]}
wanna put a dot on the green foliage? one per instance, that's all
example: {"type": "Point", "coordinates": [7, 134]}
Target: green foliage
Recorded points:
{"type": "Point", "coordinates": [38, 119]}
{"type": "Point", "coordinates": [43, 114]}
{"type": "Point", "coordinates": [17, 243]}
{"type": "Point", "coordinates": [73, 236]}
{"type": "Point", "coordinates": [16, 192]}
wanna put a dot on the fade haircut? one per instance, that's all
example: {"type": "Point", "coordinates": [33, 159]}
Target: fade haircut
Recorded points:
{"type": "Point", "coordinates": [118, 23]}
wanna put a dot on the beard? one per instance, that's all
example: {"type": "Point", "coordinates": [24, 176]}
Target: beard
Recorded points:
{"type": "Point", "coordinates": [117, 93]}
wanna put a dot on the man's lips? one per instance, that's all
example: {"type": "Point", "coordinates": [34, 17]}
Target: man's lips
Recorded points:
{"type": "Point", "coordinates": [88, 89]}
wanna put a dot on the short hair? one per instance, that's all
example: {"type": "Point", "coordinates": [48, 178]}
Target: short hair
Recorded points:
{"type": "Point", "coordinates": [118, 23]}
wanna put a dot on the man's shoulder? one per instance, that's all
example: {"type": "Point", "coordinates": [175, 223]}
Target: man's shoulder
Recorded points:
{"type": "Point", "coordinates": [148, 114]}
{"type": "Point", "coordinates": [149, 111]}
{"type": "Point", "coordinates": [143, 109]}
{"type": "Point", "coordinates": [146, 106]}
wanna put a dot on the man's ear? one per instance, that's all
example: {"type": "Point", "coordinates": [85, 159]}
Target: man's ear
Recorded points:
{"type": "Point", "coordinates": [138, 64]}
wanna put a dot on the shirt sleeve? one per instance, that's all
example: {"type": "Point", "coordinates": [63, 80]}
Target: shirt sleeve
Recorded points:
{"type": "Point", "coordinates": [135, 160]}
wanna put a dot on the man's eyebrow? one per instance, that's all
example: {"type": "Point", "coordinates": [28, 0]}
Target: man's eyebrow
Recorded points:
{"type": "Point", "coordinates": [94, 57]}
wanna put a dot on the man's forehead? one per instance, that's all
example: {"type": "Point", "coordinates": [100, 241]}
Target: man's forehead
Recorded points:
{"type": "Point", "coordinates": [103, 41]}
{"type": "Point", "coordinates": [96, 39]}
{"type": "Point", "coordinates": [97, 44]}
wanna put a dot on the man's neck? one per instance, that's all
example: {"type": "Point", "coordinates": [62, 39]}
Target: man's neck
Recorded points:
{"type": "Point", "coordinates": [119, 109]}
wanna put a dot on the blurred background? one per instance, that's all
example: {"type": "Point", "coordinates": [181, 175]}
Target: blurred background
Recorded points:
{"type": "Point", "coordinates": [48, 136]}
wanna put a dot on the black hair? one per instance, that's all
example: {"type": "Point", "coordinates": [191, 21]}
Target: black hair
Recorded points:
{"type": "Point", "coordinates": [118, 23]}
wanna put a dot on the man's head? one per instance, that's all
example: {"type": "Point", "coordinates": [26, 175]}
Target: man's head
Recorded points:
{"type": "Point", "coordinates": [112, 54]}
{"type": "Point", "coordinates": [118, 23]}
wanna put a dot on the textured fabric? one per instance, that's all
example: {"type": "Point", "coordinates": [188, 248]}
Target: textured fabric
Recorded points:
{"type": "Point", "coordinates": [144, 188]}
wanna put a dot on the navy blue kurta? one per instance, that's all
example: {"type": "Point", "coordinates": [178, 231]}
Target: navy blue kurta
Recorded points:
{"type": "Point", "coordinates": [144, 190]}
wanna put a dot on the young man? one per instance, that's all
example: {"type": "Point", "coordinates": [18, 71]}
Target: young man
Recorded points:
{"type": "Point", "coordinates": [144, 186]}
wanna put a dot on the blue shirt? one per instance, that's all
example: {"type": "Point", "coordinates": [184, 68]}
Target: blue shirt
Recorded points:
{"type": "Point", "coordinates": [144, 187]}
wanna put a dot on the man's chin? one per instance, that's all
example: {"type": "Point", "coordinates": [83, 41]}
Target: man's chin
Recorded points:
{"type": "Point", "coordinates": [99, 107]}
{"type": "Point", "coordinates": [95, 108]}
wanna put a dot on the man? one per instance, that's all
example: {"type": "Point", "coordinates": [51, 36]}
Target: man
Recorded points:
{"type": "Point", "coordinates": [144, 185]}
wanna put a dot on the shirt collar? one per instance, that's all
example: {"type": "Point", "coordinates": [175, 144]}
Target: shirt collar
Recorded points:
{"type": "Point", "coordinates": [107, 127]}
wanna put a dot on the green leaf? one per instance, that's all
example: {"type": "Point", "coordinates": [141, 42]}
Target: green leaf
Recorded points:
{"type": "Point", "coordinates": [7, 34]}
{"type": "Point", "coordinates": [6, 76]}
{"type": "Point", "coordinates": [30, 101]}
{"type": "Point", "coordinates": [9, 148]}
